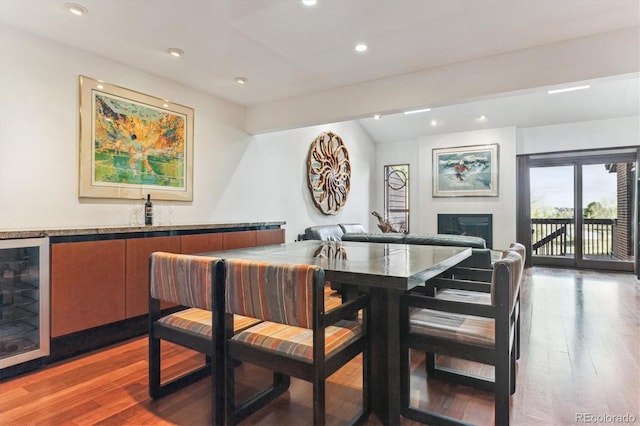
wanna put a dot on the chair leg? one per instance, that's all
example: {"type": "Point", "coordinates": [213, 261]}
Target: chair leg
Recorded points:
{"type": "Point", "coordinates": [217, 396]}
{"type": "Point", "coordinates": [503, 388]}
{"type": "Point", "coordinates": [366, 383]}
{"type": "Point", "coordinates": [230, 393]}
{"type": "Point", "coordinates": [235, 414]}
{"type": "Point", "coordinates": [319, 401]}
{"type": "Point", "coordinates": [417, 414]}
{"type": "Point", "coordinates": [154, 366]}
{"type": "Point", "coordinates": [518, 334]}
{"type": "Point", "coordinates": [158, 389]}
{"type": "Point", "coordinates": [405, 380]}
{"type": "Point", "coordinates": [512, 375]}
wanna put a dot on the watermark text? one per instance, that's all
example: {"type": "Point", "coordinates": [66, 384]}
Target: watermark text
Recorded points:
{"type": "Point", "coordinates": [605, 418]}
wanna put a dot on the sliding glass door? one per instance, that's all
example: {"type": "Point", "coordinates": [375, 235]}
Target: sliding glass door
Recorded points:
{"type": "Point", "coordinates": [552, 211]}
{"type": "Point", "coordinates": [581, 209]}
{"type": "Point", "coordinates": [607, 212]}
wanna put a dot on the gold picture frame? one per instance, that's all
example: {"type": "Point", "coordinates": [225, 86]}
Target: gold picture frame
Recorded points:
{"type": "Point", "coordinates": [132, 144]}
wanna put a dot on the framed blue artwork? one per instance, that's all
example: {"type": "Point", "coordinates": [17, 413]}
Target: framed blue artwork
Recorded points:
{"type": "Point", "coordinates": [467, 171]}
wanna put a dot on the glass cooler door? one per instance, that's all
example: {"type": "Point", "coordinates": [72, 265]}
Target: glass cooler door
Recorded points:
{"type": "Point", "coordinates": [24, 300]}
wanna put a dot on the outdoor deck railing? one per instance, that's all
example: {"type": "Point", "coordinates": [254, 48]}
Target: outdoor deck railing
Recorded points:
{"type": "Point", "coordinates": [556, 237]}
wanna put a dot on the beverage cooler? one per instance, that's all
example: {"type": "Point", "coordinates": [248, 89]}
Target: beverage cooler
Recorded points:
{"type": "Point", "coordinates": [24, 300]}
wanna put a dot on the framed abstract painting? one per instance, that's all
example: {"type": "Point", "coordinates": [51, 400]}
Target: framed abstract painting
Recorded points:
{"type": "Point", "coordinates": [132, 144]}
{"type": "Point", "coordinates": [467, 171]}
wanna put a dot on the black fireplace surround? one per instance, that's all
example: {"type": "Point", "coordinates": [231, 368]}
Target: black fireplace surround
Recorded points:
{"type": "Point", "coordinates": [477, 225]}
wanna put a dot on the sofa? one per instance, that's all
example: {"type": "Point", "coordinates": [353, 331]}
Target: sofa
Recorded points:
{"type": "Point", "coordinates": [330, 232]}
{"type": "Point", "coordinates": [480, 257]}
{"type": "Point", "coordinates": [480, 254]}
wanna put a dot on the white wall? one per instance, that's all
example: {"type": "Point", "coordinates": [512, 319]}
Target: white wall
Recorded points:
{"type": "Point", "coordinates": [610, 133]}
{"type": "Point", "coordinates": [277, 161]}
{"type": "Point", "coordinates": [236, 177]}
{"type": "Point", "coordinates": [425, 208]}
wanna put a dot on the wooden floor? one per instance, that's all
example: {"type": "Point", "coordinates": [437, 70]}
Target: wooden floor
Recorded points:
{"type": "Point", "coordinates": [581, 357]}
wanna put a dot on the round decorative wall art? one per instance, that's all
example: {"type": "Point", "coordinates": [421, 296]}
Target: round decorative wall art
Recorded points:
{"type": "Point", "coordinates": [328, 172]}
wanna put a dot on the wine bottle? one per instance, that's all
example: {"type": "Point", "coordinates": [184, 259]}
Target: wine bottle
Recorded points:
{"type": "Point", "coordinates": [148, 211]}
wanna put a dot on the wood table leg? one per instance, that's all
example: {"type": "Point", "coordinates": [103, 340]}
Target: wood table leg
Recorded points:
{"type": "Point", "coordinates": [385, 355]}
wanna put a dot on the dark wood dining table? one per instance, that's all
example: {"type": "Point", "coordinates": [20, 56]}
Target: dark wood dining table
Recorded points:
{"type": "Point", "coordinates": [385, 271]}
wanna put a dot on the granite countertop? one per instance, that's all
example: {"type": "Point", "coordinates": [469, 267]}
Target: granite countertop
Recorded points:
{"type": "Point", "coordinates": [36, 233]}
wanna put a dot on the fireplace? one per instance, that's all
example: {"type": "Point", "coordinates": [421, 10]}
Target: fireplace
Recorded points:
{"type": "Point", "coordinates": [476, 225]}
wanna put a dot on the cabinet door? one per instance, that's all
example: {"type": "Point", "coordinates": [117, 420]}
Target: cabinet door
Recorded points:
{"type": "Point", "coordinates": [87, 285]}
{"type": "Point", "coordinates": [270, 236]}
{"type": "Point", "coordinates": [201, 243]}
{"type": "Point", "coordinates": [137, 288]}
{"type": "Point", "coordinates": [240, 239]}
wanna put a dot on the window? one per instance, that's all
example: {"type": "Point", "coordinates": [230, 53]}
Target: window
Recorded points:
{"type": "Point", "coordinates": [396, 196]}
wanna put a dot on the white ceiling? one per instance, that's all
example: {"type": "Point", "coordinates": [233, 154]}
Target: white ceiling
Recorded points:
{"type": "Point", "coordinates": [286, 49]}
{"type": "Point", "coordinates": [605, 98]}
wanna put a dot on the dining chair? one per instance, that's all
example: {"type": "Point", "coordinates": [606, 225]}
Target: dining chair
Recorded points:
{"type": "Point", "coordinates": [479, 273]}
{"type": "Point", "coordinates": [191, 282]}
{"type": "Point", "coordinates": [474, 285]}
{"type": "Point", "coordinates": [297, 336]}
{"type": "Point", "coordinates": [480, 332]}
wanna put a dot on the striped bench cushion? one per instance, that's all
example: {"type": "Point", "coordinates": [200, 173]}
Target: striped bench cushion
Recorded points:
{"type": "Point", "coordinates": [464, 296]}
{"type": "Point", "coordinates": [198, 321]}
{"type": "Point", "coordinates": [297, 342]}
{"type": "Point", "coordinates": [182, 279]}
{"type": "Point", "coordinates": [458, 327]}
{"type": "Point", "coordinates": [269, 291]}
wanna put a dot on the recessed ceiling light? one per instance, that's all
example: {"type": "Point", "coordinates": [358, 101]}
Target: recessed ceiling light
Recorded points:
{"type": "Point", "coordinates": [165, 105]}
{"type": "Point", "coordinates": [376, 117]}
{"type": "Point", "coordinates": [76, 9]}
{"type": "Point", "coordinates": [568, 89]}
{"type": "Point", "coordinates": [434, 123]}
{"type": "Point", "coordinates": [174, 51]}
{"type": "Point", "coordinates": [99, 86]}
{"type": "Point", "coordinates": [416, 111]}
{"type": "Point", "coordinates": [361, 47]}
{"type": "Point", "coordinates": [482, 118]}
{"type": "Point", "coordinates": [241, 80]}
{"type": "Point", "coordinates": [309, 2]}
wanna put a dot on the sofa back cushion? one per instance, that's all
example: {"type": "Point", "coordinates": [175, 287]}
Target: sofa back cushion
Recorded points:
{"type": "Point", "coordinates": [446, 240]}
{"type": "Point", "coordinates": [352, 228]}
{"type": "Point", "coordinates": [393, 238]}
{"type": "Point", "coordinates": [323, 232]}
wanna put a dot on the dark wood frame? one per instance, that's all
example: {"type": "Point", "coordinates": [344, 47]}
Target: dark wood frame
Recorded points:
{"type": "Point", "coordinates": [316, 372]}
